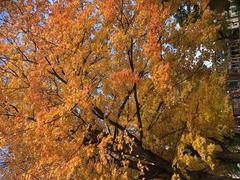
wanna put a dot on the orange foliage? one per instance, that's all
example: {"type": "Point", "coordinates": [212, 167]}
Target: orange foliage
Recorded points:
{"type": "Point", "coordinates": [108, 89]}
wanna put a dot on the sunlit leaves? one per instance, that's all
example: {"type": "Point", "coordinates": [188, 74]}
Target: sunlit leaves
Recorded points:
{"type": "Point", "coordinates": [90, 88]}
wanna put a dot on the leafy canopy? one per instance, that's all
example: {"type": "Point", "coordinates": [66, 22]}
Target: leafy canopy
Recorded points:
{"type": "Point", "coordinates": [110, 89]}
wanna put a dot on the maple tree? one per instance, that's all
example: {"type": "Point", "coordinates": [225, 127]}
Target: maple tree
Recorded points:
{"type": "Point", "coordinates": [112, 89]}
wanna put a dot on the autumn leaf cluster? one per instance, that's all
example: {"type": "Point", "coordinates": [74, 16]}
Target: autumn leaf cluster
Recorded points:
{"type": "Point", "coordinates": [109, 89]}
